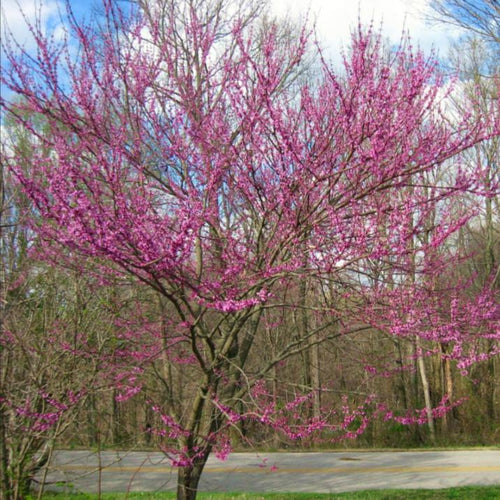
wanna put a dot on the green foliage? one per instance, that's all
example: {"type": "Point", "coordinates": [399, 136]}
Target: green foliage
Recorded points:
{"type": "Point", "coordinates": [469, 492]}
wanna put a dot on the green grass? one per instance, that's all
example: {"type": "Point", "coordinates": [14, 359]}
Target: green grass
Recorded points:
{"type": "Point", "coordinates": [467, 492]}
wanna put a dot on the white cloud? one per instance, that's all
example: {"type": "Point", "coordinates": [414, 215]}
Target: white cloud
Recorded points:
{"type": "Point", "coordinates": [336, 18]}
{"type": "Point", "coordinates": [16, 14]}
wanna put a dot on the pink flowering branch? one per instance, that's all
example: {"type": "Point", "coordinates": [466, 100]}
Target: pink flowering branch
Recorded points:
{"type": "Point", "coordinates": [183, 152]}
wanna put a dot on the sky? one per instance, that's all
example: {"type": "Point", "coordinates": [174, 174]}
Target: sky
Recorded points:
{"type": "Point", "coordinates": [333, 18]}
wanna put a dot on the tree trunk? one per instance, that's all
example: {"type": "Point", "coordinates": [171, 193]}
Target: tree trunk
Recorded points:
{"type": "Point", "coordinates": [19, 487]}
{"type": "Point", "coordinates": [490, 382]}
{"type": "Point", "coordinates": [188, 478]}
{"type": "Point", "coordinates": [447, 383]}
{"type": "Point", "coordinates": [491, 264]}
{"type": "Point", "coordinates": [426, 390]}
{"type": "Point", "coordinates": [4, 481]}
{"type": "Point", "coordinates": [316, 380]}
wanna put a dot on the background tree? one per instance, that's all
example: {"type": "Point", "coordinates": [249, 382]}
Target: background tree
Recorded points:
{"type": "Point", "coordinates": [474, 58]}
{"type": "Point", "coordinates": [53, 336]}
{"type": "Point", "coordinates": [182, 151]}
{"type": "Point", "coordinates": [480, 18]}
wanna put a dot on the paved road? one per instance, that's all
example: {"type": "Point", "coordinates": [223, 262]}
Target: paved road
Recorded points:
{"type": "Point", "coordinates": [279, 472]}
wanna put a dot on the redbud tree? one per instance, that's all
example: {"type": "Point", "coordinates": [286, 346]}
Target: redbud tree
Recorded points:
{"type": "Point", "coordinates": [188, 145]}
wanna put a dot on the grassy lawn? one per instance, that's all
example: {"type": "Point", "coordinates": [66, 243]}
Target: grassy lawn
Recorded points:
{"type": "Point", "coordinates": [469, 493]}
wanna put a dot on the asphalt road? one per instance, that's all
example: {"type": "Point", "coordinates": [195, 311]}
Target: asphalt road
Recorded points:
{"type": "Point", "coordinates": [280, 472]}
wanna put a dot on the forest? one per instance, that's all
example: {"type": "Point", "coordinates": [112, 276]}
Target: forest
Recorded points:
{"type": "Point", "coordinates": [213, 239]}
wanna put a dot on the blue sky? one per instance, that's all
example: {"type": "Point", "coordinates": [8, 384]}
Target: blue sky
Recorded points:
{"type": "Point", "coordinates": [333, 18]}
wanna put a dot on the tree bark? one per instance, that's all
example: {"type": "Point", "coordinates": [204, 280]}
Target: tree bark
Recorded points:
{"type": "Point", "coordinates": [426, 390]}
{"type": "Point", "coordinates": [4, 481]}
{"type": "Point", "coordinates": [316, 380]}
{"type": "Point", "coordinates": [188, 478]}
{"type": "Point", "coordinates": [447, 382]}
